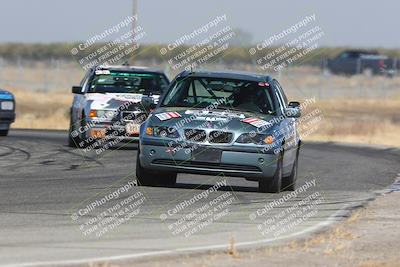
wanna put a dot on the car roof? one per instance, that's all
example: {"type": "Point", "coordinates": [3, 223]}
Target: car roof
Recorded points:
{"type": "Point", "coordinates": [128, 68]}
{"type": "Point", "coordinates": [228, 74]}
{"type": "Point", "coordinates": [4, 91]}
{"type": "Point", "coordinates": [361, 51]}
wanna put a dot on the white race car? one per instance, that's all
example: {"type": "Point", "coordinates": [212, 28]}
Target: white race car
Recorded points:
{"type": "Point", "coordinates": [111, 103]}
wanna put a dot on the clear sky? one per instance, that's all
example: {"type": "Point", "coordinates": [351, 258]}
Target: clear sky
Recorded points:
{"type": "Point", "coordinates": [345, 23]}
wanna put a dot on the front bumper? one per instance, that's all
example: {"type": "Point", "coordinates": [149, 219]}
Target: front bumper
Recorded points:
{"type": "Point", "coordinates": [239, 162]}
{"type": "Point", "coordinates": [6, 117]}
{"type": "Point", "coordinates": [111, 132]}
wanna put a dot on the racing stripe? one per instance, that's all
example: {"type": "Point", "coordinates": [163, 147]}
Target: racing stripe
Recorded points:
{"type": "Point", "coordinates": [255, 122]}
{"type": "Point", "coordinates": [250, 120]}
{"type": "Point", "coordinates": [174, 114]}
{"type": "Point", "coordinates": [162, 116]}
{"type": "Point", "coordinates": [167, 115]}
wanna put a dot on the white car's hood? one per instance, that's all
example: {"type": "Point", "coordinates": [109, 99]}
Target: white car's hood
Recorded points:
{"type": "Point", "coordinates": [115, 100]}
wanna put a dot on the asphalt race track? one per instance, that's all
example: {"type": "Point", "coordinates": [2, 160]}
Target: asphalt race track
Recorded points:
{"type": "Point", "coordinates": [44, 184]}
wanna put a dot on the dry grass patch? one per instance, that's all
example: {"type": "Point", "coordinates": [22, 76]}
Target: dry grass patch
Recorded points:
{"type": "Point", "coordinates": [369, 121]}
{"type": "Point", "coordinates": [42, 110]}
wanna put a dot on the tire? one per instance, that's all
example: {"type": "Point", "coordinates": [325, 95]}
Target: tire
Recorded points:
{"type": "Point", "coordinates": [72, 141]}
{"type": "Point", "coordinates": [289, 182]}
{"type": "Point", "coordinates": [83, 140]}
{"type": "Point", "coordinates": [3, 132]}
{"type": "Point", "coordinates": [149, 178]}
{"type": "Point", "coordinates": [272, 185]}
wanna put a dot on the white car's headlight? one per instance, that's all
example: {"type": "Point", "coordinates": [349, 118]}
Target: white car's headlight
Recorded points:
{"type": "Point", "coordinates": [102, 114]}
{"type": "Point", "coordinates": [7, 105]}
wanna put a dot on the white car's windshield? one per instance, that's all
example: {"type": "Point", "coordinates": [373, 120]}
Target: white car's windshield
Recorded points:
{"type": "Point", "coordinates": [128, 82]}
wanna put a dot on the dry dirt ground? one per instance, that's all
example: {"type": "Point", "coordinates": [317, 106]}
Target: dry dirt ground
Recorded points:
{"type": "Point", "coordinates": [369, 238]}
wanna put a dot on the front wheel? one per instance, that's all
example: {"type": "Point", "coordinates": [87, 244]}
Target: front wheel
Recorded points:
{"type": "Point", "coordinates": [272, 185]}
{"type": "Point", "coordinates": [149, 178]}
{"type": "Point", "coordinates": [73, 138]}
{"type": "Point", "coordinates": [289, 183]}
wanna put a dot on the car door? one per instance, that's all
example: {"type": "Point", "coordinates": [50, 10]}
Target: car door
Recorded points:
{"type": "Point", "coordinates": [347, 63]}
{"type": "Point", "coordinates": [289, 128]}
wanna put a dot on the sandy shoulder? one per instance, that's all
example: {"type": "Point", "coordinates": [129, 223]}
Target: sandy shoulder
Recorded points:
{"type": "Point", "coordinates": [370, 238]}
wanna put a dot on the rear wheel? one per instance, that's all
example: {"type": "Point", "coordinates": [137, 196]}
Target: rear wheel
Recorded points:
{"type": "Point", "coordinates": [150, 178]}
{"type": "Point", "coordinates": [3, 132]}
{"type": "Point", "coordinates": [272, 185]}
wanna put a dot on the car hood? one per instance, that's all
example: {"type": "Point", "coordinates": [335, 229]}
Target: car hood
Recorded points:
{"type": "Point", "coordinates": [213, 119]}
{"type": "Point", "coordinates": [115, 100]}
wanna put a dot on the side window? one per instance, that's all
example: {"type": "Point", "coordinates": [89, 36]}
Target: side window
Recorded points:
{"type": "Point", "coordinates": [86, 81]}
{"type": "Point", "coordinates": [84, 78]}
{"type": "Point", "coordinates": [281, 95]}
{"type": "Point", "coordinates": [191, 96]}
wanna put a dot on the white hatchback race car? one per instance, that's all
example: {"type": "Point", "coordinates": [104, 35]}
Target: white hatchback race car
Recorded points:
{"type": "Point", "coordinates": [111, 102]}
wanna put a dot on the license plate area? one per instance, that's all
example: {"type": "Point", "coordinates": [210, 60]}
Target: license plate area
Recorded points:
{"type": "Point", "coordinates": [132, 128]}
{"type": "Point", "coordinates": [206, 154]}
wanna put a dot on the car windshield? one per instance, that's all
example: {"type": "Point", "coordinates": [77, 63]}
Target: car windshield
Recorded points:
{"type": "Point", "coordinates": [127, 82]}
{"type": "Point", "coordinates": [228, 94]}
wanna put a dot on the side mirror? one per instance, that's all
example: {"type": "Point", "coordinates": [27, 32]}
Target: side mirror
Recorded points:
{"type": "Point", "coordinates": [293, 112]}
{"type": "Point", "coordinates": [294, 104]}
{"type": "Point", "coordinates": [77, 89]}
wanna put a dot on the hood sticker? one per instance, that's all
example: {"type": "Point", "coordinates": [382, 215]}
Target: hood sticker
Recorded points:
{"type": "Point", "coordinates": [102, 72]}
{"type": "Point", "coordinates": [222, 115]}
{"type": "Point", "coordinates": [167, 115]}
{"type": "Point", "coordinates": [256, 122]}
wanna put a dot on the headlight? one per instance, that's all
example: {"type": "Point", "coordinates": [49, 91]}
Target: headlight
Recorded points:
{"type": "Point", "coordinates": [102, 114]}
{"type": "Point", "coordinates": [257, 139]}
{"type": "Point", "coordinates": [7, 105]}
{"type": "Point", "coordinates": [162, 131]}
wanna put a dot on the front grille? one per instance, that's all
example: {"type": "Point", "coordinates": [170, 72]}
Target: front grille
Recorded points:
{"type": "Point", "coordinates": [212, 166]}
{"type": "Point", "coordinates": [140, 117]}
{"type": "Point", "coordinates": [128, 115]}
{"type": "Point", "coordinates": [220, 137]}
{"type": "Point", "coordinates": [132, 116]}
{"type": "Point", "coordinates": [195, 135]}
{"type": "Point", "coordinates": [114, 133]}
